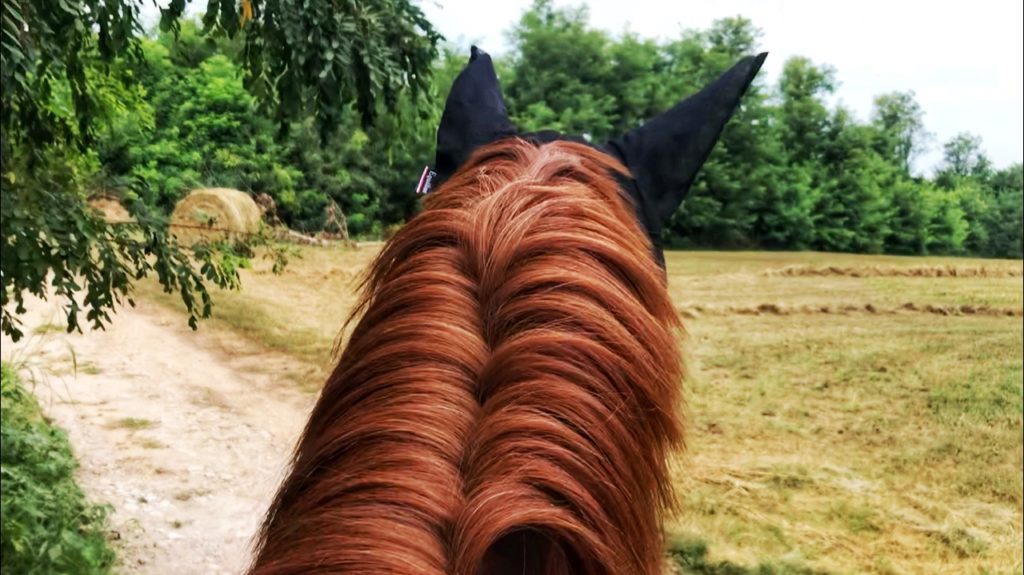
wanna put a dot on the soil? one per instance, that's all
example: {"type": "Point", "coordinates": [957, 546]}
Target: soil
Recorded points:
{"type": "Point", "coordinates": [185, 434]}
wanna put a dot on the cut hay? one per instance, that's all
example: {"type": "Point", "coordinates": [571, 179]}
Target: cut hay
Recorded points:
{"type": "Point", "coordinates": [215, 212]}
{"type": "Point", "coordinates": [899, 271]}
{"type": "Point", "coordinates": [694, 311]}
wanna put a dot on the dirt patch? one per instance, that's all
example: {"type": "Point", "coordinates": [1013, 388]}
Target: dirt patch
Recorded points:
{"type": "Point", "coordinates": [898, 271]}
{"type": "Point", "coordinates": [186, 438]}
{"type": "Point", "coordinates": [696, 310]}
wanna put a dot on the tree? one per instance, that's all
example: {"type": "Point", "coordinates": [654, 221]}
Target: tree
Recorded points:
{"type": "Point", "coordinates": [561, 71]}
{"type": "Point", "coordinates": [1005, 219]}
{"type": "Point", "coordinates": [790, 211]}
{"type": "Point", "coordinates": [963, 157]}
{"type": "Point", "coordinates": [900, 120]}
{"type": "Point", "coordinates": [61, 84]}
{"type": "Point", "coordinates": [854, 205]}
{"type": "Point", "coordinates": [307, 57]}
{"type": "Point", "coordinates": [803, 114]}
{"type": "Point", "coordinates": [744, 171]}
{"type": "Point", "coordinates": [637, 81]}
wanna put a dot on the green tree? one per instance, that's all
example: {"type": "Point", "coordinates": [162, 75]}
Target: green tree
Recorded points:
{"type": "Point", "coordinates": [795, 209]}
{"type": "Point", "coordinates": [962, 156]}
{"type": "Point", "coordinates": [926, 219]}
{"type": "Point", "coordinates": [636, 81]}
{"type": "Point", "coordinates": [803, 114]}
{"type": "Point", "coordinates": [561, 67]}
{"type": "Point", "coordinates": [208, 131]}
{"type": "Point", "coordinates": [59, 79]}
{"type": "Point", "coordinates": [854, 206]}
{"type": "Point", "coordinates": [977, 203]}
{"type": "Point", "coordinates": [725, 203]}
{"type": "Point", "coordinates": [1005, 219]}
{"type": "Point", "coordinates": [900, 120]}
{"type": "Point", "coordinates": [968, 175]}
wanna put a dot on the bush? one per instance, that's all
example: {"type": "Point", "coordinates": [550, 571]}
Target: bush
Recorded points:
{"type": "Point", "coordinates": [47, 526]}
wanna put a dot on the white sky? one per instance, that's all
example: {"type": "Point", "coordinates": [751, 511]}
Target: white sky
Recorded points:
{"type": "Point", "coordinates": [963, 60]}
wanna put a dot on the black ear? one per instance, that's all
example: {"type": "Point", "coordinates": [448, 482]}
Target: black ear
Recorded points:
{"type": "Point", "coordinates": [665, 154]}
{"type": "Point", "coordinates": [474, 115]}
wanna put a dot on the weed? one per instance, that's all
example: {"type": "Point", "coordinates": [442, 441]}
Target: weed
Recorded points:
{"type": "Point", "coordinates": [148, 443]}
{"type": "Point", "coordinates": [47, 328]}
{"type": "Point", "coordinates": [133, 423]}
{"type": "Point", "coordinates": [90, 368]}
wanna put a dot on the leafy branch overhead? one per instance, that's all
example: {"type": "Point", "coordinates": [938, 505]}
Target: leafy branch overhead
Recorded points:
{"type": "Point", "coordinates": [70, 85]}
{"type": "Point", "coordinates": [300, 57]}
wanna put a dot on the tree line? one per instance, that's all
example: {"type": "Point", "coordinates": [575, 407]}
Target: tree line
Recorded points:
{"type": "Point", "coordinates": [318, 107]}
{"type": "Point", "coordinates": [789, 173]}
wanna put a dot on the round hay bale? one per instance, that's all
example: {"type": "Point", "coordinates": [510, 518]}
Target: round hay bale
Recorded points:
{"type": "Point", "coordinates": [213, 212]}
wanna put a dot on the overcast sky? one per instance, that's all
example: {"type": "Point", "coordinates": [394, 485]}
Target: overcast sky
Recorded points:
{"type": "Point", "coordinates": [963, 60]}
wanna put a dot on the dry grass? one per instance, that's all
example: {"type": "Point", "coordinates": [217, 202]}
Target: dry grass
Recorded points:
{"type": "Point", "coordinates": [932, 271]}
{"type": "Point", "coordinates": [884, 436]}
{"type": "Point", "coordinates": [697, 310]}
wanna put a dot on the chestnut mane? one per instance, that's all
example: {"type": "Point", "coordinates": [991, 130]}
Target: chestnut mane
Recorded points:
{"type": "Point", "coordinates": [509, 396]}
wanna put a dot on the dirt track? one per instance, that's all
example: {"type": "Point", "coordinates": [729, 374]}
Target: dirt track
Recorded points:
{"type": "Point", "coordinates": [184, 436]}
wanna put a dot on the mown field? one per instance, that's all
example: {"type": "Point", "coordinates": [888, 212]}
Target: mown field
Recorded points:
{"type": "Point", "coordinates": [847, 414]}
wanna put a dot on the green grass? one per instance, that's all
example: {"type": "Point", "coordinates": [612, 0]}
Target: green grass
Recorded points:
{"type": "Point", "coordinates": [47, 524]}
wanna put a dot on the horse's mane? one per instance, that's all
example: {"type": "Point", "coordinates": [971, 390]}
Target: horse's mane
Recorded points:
{"type": "Point", "coordinates": [508, 398]}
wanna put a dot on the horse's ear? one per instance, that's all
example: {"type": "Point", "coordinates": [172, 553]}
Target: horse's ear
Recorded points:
{"type": "Point", "coordinates": [474, 115]}
{"type": "Point", "coordinates": [665, 153]}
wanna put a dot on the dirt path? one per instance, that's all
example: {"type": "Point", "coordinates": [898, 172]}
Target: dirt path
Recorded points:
{"type": "Point", "coordinates": [186, 437]}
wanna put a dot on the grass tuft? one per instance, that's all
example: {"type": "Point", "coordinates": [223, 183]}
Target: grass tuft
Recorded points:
{"type": "Point", "coordinates": [133, 423]}
{"type": "Point", "coordinates": [690, 557]}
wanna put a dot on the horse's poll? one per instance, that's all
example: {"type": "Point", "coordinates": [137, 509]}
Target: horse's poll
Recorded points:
{"type": "Point", "coordinates": [663, 155]}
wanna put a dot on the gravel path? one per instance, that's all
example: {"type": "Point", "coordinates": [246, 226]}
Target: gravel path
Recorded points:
{"type": "Point", "coordinates": [184, 434]}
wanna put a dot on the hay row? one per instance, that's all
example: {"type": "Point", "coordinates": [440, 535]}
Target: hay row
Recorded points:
{"type": "Point", "coordinates": [692, 311]}
{"type": "Point", "coordinates": [898, 271]}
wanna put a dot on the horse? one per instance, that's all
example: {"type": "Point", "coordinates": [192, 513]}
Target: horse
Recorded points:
{"type": "Point", "coordinates": [511, 390]}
